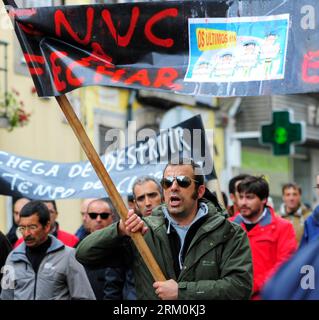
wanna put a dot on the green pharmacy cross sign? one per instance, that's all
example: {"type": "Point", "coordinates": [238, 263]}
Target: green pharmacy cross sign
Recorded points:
{"type": "Point", "coordinates": [283, 133]}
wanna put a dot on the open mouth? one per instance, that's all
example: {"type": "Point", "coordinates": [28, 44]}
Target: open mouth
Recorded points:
{"type": "Point", "coordinates": [175, 201]}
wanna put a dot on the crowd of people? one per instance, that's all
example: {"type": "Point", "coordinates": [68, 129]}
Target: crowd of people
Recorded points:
{"type": "Point", "coordinates": [205, 251]}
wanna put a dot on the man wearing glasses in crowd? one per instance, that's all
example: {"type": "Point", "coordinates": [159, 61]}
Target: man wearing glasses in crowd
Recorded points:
{"type": "Point", "coordinates": [42, 267]}
{"type": "Point", "coordinates": [201, 253]}
{"type": "Point", "coordinates": [100, 214]}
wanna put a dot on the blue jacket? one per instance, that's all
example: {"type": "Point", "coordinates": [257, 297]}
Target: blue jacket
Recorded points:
{"type": "Point", "coordinates": [81, 233]}
{"type": "Point", "coordinates": [296, 279]}
{"type": "Point", "coordinates": [311, 230]}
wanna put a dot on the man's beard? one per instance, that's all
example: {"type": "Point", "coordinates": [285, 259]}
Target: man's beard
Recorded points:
{"type": "Point", "coordinates": [253, 214]}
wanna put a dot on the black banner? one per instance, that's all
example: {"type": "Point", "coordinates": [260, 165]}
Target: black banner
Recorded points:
{"type": "Point", "coordinates": [36, 179]}
{"type": "Point", "coordinates": [215, 48]}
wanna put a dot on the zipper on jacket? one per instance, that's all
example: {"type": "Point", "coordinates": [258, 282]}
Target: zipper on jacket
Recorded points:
{"type": "Point", "coordinates": [35, 285]}
{"type": "Point", "coordinates": [36, 277]}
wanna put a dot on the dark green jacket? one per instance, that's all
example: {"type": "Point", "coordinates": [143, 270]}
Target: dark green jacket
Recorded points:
{"type": "Point", "coordinates": [218, 263]}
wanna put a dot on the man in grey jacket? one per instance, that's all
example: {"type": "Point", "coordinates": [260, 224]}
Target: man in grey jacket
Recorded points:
{"type": "Point", "coordinates": [42, 267]}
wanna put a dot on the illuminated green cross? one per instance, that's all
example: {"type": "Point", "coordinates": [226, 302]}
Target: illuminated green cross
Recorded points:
{"type": "Point", "coordinates": [282, 133]}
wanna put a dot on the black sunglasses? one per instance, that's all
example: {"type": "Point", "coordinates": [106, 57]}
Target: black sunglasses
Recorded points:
{"type": "Point", "coordinates": [182, 181]}
{"type": "Point", "coordinates": [103, 215]}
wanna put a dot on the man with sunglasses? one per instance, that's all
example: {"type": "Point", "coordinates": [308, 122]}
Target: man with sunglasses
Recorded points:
{"type": "Point", "coordinates": [100, 214]}
{"type": "Point", "coordinates": [201, 253]}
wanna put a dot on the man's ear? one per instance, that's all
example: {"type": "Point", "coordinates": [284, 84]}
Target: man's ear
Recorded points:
{"type": "Point", "coordinates": [201, 191]}
{"type": "Point", "coordinates": [47, 228]}
{"type": "Point", "coordinates": [232, 197]}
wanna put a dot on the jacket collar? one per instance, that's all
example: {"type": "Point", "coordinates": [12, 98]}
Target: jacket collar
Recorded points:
{"type": "Point", "coordinates": [19, 253]}
{"type": "Point", "coordinates": [202, 211]}
{"type": "Point", "coordinates": [297, 213]}
{"type": "Point", "coordinates": [266, 219]}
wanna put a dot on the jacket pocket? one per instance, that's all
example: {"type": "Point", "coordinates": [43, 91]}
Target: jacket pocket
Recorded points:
{"type": "Point", "coordinates": [205, 268]}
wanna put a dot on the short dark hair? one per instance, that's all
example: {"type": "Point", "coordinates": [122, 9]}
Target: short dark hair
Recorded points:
{"type": "Point", "coordinates": [199, 177]}
{"type": "Point", "coordinates": [39, 208]}
{"type": "Point", "coordinates": [289, 185]}
{"type": "Point", "coordinates": [232, 182]}
{"type": "Point", "coordinates": [143, 179]}
{"type": "Point", "coordinates": [256, 185]}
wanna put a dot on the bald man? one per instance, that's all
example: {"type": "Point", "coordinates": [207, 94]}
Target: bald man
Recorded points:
{"type": "Point", "coordinates": [83, 231]}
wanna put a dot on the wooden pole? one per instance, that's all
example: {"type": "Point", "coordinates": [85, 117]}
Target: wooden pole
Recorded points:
{"type": "Point", "coordinates": [219, 195]}
{"type": "Point", "coordinates": [216, 186]}
{"type": "Point", "coordinates": [108, 184]}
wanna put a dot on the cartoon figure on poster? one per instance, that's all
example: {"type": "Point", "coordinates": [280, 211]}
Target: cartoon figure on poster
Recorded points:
{"type": "Point", "coordinates": [270, 54]}
{"type": "Point", "coordinates": [223, 66]}
{"type": "Point", "coordinates": [248, 59]}
{"type": "Point", "coordinates": [202, 68]}
{"type": "Point", "coordinates": [238, 49]}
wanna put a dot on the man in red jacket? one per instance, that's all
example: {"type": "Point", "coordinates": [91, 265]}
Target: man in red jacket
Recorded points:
{"type": "Point", "coordinates": [272, 238]}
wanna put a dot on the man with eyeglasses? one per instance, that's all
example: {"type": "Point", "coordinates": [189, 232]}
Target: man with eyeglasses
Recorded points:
{"type": "Point", "coordinates": [201, 253]}
{"type": "Point", "coordinates": [67, 238]}
{"type": "Point", "coordinates": [42, 267]}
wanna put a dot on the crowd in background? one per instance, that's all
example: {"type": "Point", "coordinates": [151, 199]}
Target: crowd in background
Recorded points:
{"type": "Point", "coordinates": [249, 247]}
